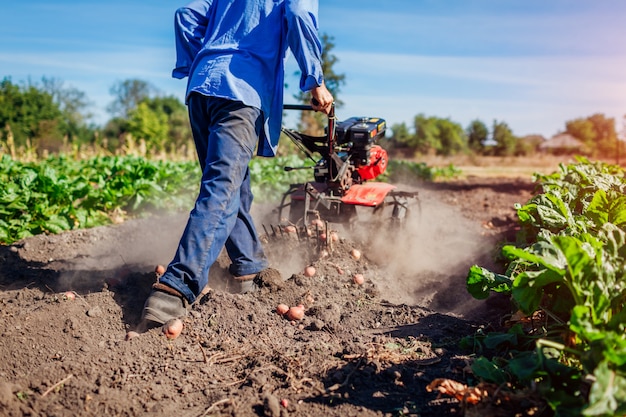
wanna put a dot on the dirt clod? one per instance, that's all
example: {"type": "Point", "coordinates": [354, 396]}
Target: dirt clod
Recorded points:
{"type": "Point", "coordinates": [269, 278]}
{"type": "Point", "coordinates": [271, 405]}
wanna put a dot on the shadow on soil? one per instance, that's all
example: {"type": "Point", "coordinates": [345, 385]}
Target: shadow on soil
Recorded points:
{"type": "Point", "coordinates": [400, 388]}
{"type": "Point", "coordinates": [130, 289]}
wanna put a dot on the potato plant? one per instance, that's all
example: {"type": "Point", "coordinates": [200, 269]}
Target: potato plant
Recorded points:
{"type": "Point", "coordinates": [60, 193]}
{"type": "Point", "coordinates": [570, 266]}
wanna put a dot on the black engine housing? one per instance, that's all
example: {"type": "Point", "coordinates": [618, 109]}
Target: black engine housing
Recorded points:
{"type": "Point", "coordinates": [358, 134]}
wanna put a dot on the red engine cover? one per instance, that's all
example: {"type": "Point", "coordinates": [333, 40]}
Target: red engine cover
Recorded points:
{"type": "Point", "coordinates": [368, 194]}
{"type": "Point", "coordinates": [378, 164]}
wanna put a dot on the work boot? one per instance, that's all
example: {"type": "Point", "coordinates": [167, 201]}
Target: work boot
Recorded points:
{"type": "Point", "coordinates": [163, 304]}
{"type": "Point", "coordinates": [245, 284]}
{"type": "Point", "coordinates": [268, 277]}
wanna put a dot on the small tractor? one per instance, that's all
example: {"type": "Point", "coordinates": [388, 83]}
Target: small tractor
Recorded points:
{"type": "Point", "coordinates": [347, 158]}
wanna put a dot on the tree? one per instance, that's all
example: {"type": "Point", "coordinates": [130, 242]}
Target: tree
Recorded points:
{"type": "Point", "coordinates": [398, 141]}
{"type": "Point", "coordinates": [332, 80]}
{"type": "Point", "coordinates": [528, 145]}
{"type": "Point", "coordinates": [506, 142]}
{"type": "Point", "coordinates": [148, 124]}
{"type": "Point", "coordinates": [583, 130]}
{"type": "Point", "coordinates": [597, 132]}
{"type": "Point", "coordinates": [179, 129]}
{"type": "Point", "coordinates": [138, 105]}
{"type": "Point", "coordinates": [606, 134]}
{"type": "Point", "coordinates": [432, 135]}
{"type": "Point", "coordinates": [127, 96]}
{"type": "Point", "coordinates": [9, 106]}
{"type": "Point", "coordinates": [477, 135]}
{"type": "Point", "coordinates": [400, 134]}
{"type": "Point", "coordinates": [452, 137]}
{"type": "Point", "coordinates": [74, 106]}
{"type": "Point", "coordinates": [45, 115]}
{"type": "Point", "coordinates": [163, 122]}
{"type": "Point", "coordinates": [426, 137]}
{"type": "Point", "coordinates": [30, 114]}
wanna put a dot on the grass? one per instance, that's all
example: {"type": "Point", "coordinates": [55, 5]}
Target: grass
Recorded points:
{"type": "Point", "coordinates": [499, 166]}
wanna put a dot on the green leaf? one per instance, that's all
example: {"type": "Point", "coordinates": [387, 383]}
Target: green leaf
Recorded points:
{"type": "Point", "coordinates": [524, 213]}
{"type": "Point", "coordinates": [494, 340]}
{"type": "Point", "coordinates": [618, 321]}
{"type": "Point", "coordinates": [608, 393]}
{"type": "Point", "coordinates": [581, 323]}
{"type": "Point", "coordinates": [603, 209]}
{"type": "Point", "coordinates": [525, 366]}
{"type": "Point", "coordinates": [598, 208]}
{"type": "Point", "coordinates": [56, 224]}
{"type": "Point", "coordinates": [488, 371]}
{"type": "Point", "coordinates": [527, 290]}
{"type": "Point", "coordinates": [481, 281]}
{"type": "Point", "coordinates": [541, 253]}
{"type": "Point", "coordinates": [27, 177]}
{"type": "Point", "coordinates": [553, 211]}
{"type": "Point", "coordinates": [617, 211]}
{"type": "Point", "coordinates": [575, 253]}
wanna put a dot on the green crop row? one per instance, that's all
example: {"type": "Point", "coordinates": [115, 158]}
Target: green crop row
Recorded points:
{"type": "Point", "coordinates": [62, 193]}
{"type": "Point", "coordinates": [402, 170]}
{"type": "Point", "coordinates": [568, 275]}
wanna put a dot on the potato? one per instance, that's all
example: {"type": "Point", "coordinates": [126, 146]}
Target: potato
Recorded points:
{"type": "Point", "coordinates": [282, 309]}
{"type": "Point", "coordinates": [159, 270]}
{"type": "Point", "coordinates": [317, 223]}
{"type": "Point", "coordinates": [69, 295]}
{"type": "Point", "coordinates": [172, 328]}
{"type": "Point", "coordinates": [356, 254]}
{"type": "Point", "coordinates": [131, 335]}
{"type": "Point", "coordinates": [296, 313]}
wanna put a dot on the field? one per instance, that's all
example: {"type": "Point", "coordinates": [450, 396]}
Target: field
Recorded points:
{"type": "Point", "coordinates": [409, 340]}
{"type": "Point", "coordinates": [368, 350]}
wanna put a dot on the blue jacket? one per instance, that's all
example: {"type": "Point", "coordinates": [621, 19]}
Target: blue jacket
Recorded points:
{"type": "Point", "coordinates": [236, 49]}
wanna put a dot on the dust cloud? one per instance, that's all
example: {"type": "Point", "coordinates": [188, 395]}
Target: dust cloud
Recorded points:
{"type": "Point", "coordinates": [427, 262]}
{"type": "Point", "coordinates": [86, 259]}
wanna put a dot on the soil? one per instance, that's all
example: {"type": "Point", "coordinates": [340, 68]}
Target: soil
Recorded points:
{"type": "Point", "coordinates": [366, 350]}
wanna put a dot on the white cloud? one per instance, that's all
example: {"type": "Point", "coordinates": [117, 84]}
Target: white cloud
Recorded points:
{"type": "Point", "coordinates": [96, 72]}
{"type": "Point", "coordinates": [531, 94]}
{"type": "Point", "coordinates": [151, 62]}
{"type": "Point", "coordinates": [528, 70]}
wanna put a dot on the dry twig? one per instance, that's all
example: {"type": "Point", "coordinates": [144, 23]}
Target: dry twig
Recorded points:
{"type": "Point", "coordinates": [347, 380]}
{"type": "Point", "coordinates": [217, 404]}
{"type": "Point", "coordinates": [58, 384]}
{"type": "Point", "coordinates": [229, 359]}
{"type": "Point", "coordinates": [204, 357]}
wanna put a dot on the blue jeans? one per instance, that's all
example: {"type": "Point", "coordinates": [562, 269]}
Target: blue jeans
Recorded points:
{"type": "Point", "coordinates": [225, 134]}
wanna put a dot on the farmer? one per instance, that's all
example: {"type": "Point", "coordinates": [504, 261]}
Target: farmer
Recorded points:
{"type": "Point", "coordinates": [233, 53]}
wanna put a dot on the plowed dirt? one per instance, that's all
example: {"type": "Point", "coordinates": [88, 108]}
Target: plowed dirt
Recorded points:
{"type": "Point", "coordinates": [360, 350]}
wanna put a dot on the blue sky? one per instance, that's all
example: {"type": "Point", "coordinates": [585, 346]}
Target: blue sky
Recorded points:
{"type": "Point", "coordinates": [533, 64]}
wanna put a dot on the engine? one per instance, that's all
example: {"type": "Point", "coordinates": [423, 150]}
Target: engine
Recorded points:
{"type": "Point", "coordinates": [358, 135]}
{"type": "Point", "coordinates": [350, 156]}
{"type": "Point", "coordinates": [356, 138]}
